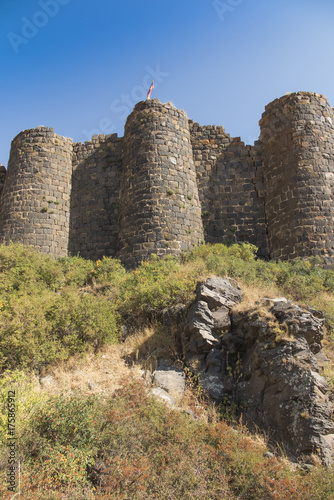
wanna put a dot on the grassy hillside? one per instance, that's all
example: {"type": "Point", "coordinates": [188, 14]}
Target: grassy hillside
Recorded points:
{"type": "Point", "coordinates": [78, 443]}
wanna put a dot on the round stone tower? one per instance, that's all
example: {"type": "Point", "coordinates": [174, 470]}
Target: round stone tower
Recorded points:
{"type": "Point", "coordinates": [159, 209]}
{"type": "Point", "coordinates": [297, 135]}
{"type": "Point", "coordinates": [35, 202]}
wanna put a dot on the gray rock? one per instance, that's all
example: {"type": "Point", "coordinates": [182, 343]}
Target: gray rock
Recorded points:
{"type": "Point", "coordinates": [199, 318]}
{"type": "Point", "coordinates": [165, 364]}
{"type": "Point", "coordinates": [205, 340]}
{"type": "Point", "coordinates": [212, 298]}
{"type": "Point", "coordinates": [300, 321]}
{"type": "Point", "coordinates": [218, 292]}
{"type": "Point", "coordinates": [227, 288]}
{"type": "Point", "coordinates": [170, 380]}
{"type": "Point", "coordinates": [306, 467]}
{"type": "Point", "coordinates": [276, 381]}
{"type": "Point", "coordinates": [124, 331]}
{"type": "Point", "coordinates": [91, 385]}
{"type": "Point", "coordinates": [231, 343]}
{"type": "Point", "coordinates": [215, 362]}
{"type": "Point", "coordinates": [162, 395]}
{"type": "Point", "coordinates": [198, 335]}
{"type": "Point", "coordinates": [270, 302]}
{"type": "Point", "coordinates": [213, 384]}
{"type": "Point", "coordinates": [280, 388]}
{"type": "Point", "coordinates": [221, 319]}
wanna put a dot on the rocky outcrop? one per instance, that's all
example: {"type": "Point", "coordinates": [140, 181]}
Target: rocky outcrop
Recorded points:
{"type": "Point", "coordinates": [208, 319]}
{"type": "Point", "coordinates": [265, 360]}
{"type": "Point", "coordinates": [279, 386]}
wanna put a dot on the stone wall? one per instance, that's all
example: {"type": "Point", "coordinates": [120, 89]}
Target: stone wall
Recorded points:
{"type": "Point", "coordinates": [159, 206]}
{"type": "Point", "coordinates": [297, 134]}
{"type": "Point", "coordinates": [35, 203]}
{"type": "Point", "coordinates": [230, 183]}
{"type": "Point", "coordinates": [171, 183]}
{"type": "Point", "coordinates": [2, 177]}
{"type": "Point", "coordinates": [95, 191]}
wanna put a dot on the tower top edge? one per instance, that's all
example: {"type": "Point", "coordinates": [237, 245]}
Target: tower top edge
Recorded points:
{"type": "Point", "coordinates": [156, 103]}
{"type": "Point", "coordinates": [301, 95]}
{"type": "Point", "coordinates": [41, 130]}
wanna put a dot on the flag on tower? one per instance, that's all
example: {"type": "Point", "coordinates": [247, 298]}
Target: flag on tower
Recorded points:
{"type": "Point", "coordinates": [150, 90]}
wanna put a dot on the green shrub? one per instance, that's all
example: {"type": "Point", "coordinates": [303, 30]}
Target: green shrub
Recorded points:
{"type": "Point", "coordinates": [78, 321]}
{"type": "Point", "coordinates": [52, 308]}
{"type": "Point", "coordinates": [77, 271]}
{"type": "Point", "coordinates": [23, 270]}
{"type": "Point", "coordinates": [111, 273]}
{"type": "Point", "coordinates": [37, 330]}
{"type": "Point", "coordinates": [155, 284]}
{"type": "Point", "coordinates": [25, 334]}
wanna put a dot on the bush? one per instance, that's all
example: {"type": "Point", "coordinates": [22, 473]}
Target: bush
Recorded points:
{"type": "Point", "coordinates": [38, 330]}
{"type": "Point", "coordinates": [77, 271]}
{"type": "Point", "coordinates": [63, 442]}
{"type": "Point", "coordinates": [155, 284]}
{"type": "Point", "coordinates": [111, 275]}
{"type": "Point", "coordinates": [45, 317]}
{"type": "Point", "coordinates": [78, 321]}
{"type": "Point", "coordinates": [23, 270]}
{"type": "Point", "coordinates": [25, 333]}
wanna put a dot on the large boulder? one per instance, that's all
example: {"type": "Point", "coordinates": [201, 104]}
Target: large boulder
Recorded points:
{"type": "Point", "coordinates": [266, 360]}
{"type": "Point", "coordinates": [279, 386]}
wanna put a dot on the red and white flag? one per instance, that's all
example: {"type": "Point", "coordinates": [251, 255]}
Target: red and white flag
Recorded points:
{"type": "Point", "coordinates": [150, 90]}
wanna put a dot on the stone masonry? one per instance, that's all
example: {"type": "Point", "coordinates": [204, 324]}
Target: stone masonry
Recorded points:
{"type": "Point", "coordinates": [35, 201]}
{"type": "Point", "coordinates": [159, 205]}
{"type": "Point", "coordinates": [94, 202]}
{"type": "Point", "coordinates": [171, 184]}
{"type": "Point", "coordinates": [297, 135]}
{"type": "Point", "coordinates": [230, 183]}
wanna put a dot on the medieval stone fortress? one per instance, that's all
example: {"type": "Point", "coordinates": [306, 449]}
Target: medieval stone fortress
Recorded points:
{"type": "Point", "coordinates": [170, 184]}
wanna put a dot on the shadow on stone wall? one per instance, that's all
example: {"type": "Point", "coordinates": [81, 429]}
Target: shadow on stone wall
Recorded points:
{"type": "Point", "coordinates": [95, 195]}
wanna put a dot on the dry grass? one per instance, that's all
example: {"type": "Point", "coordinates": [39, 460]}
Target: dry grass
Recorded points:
{"type": "Point", "coordinates": [252, 294]}
{"type": "Point", "coordinates": [105, 372]}
{"type": "Point", "coordinates": [101, 373]}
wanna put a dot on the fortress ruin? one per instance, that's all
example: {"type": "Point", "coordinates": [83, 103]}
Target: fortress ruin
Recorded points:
{"type": "Point", "coordinates": [170, 184]}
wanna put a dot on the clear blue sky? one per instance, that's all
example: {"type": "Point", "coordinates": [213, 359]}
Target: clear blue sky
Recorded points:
{"type": "Point", "coordinates": [80, 65]}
